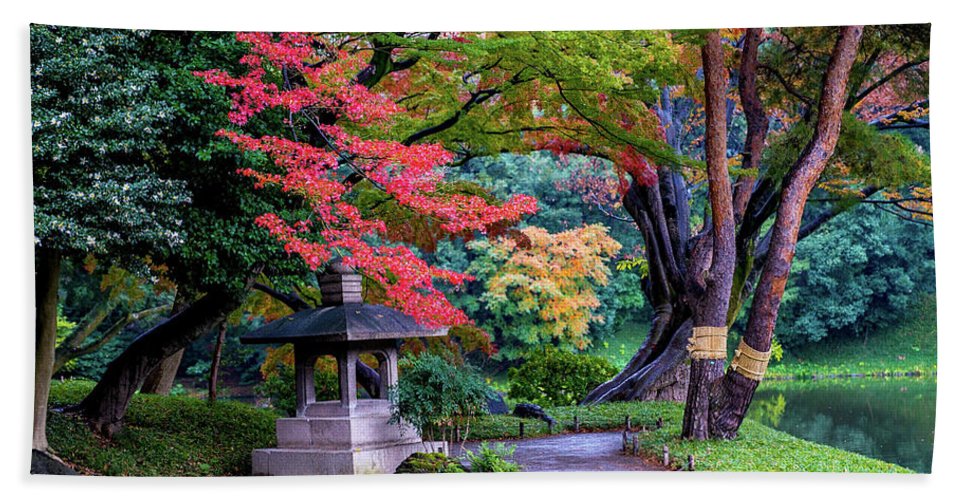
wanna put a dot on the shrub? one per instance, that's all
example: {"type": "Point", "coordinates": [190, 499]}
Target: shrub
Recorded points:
{"type": "Point", "coordinates": [554, 377]}
{"type": "Point", "coordinates": [429, 463]}
{"type": "Point", "coordinates": [278, 375]}
{"type": "Point", "coordinates": [279, 387]}
{"type": "Point", "coordinates": [433, 394]}
{"type": "Point", "coordinates": [494, 459]}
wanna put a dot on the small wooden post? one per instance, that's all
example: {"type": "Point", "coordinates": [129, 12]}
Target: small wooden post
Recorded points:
{"type": "Point", "coordinates": [635, 445]}
{"type": "Point", "coordinates": [522, 429]}
{"type": "Point", "coordinates": [550, 427]}
{"type": "Point", "coordinates": [665, 458]}
{"type": "Point", "coordinates": [624, 440]}
{"type": "Point", "coordinates": [458, 434]}
{"type": "Point", "coordinates": [577, 424]}
{"type": "Point", "coordinates": [691, 462]}
{"type": "Point", "coordinates": [627, 422]}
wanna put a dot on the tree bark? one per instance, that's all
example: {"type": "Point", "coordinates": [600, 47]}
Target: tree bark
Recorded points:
{"type": "Point", "coordinates": [47, 274]}
{"type": "Point", "coordinates": [661, 213]}
{"type": "Point", "coordinates": [732, 397]}
{"type": "Point", "coordinates": [105, 406]}
{"type": "Point", "coordinates": [715, 286]}
{"type": "Point", "coordinates": [755, 141]}
{"type": "Point", "coordinates": [216, 360]}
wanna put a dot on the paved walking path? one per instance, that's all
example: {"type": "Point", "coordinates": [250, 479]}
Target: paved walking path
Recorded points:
{"type": "Point", "coordinates": [587, 451]}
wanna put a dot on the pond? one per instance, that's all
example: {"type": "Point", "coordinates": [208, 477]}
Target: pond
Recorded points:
{"type": "Point", "coordinates": [889, 419]}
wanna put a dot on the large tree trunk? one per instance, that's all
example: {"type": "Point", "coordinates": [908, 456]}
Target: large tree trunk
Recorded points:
{"type": "Point", "coordinates": [713, 287]}
{"type": "Point", "coordinates": [105, 406]}
{"type": "Point", "coordinates": [47, 274]}
{"type": "Point", "coordinates": [661, 212]}
{"type": "Point", "coordinates": [656, 372]}
{"type": "Point", "coordinates": [732, 397]}
{"type": "Point", "coordinates": [648, 374]}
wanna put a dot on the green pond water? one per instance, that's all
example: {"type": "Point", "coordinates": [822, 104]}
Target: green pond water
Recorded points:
{"type": "Point", "coordinates": [889, 419]}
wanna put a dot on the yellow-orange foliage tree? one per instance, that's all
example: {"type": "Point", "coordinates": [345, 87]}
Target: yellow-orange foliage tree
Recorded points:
{"type": "Point", "coordinates": [540, 286]}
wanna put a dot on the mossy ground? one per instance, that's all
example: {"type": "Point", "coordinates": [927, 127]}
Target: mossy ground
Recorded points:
{"type": "Point", "coordinates": [162, 436]}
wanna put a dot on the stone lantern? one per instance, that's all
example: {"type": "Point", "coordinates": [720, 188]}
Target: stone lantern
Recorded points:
{"type": "Point", "coordinates": [352, 435]}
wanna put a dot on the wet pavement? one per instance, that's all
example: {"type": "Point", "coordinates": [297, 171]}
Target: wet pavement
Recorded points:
{"type": "Point", "coordinates": [588, 451]}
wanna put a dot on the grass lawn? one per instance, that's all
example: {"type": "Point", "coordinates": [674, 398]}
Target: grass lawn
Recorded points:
{"type": "Point", "coordinates": [758, 448]}
{"type": "Point", "coordinates": [908, 347]}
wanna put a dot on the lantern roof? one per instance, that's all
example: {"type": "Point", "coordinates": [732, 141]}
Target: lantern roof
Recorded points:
{"type": "Point", "coordinates": [342, 318]}
{"type": "Point", "coordinates": [343, 323]}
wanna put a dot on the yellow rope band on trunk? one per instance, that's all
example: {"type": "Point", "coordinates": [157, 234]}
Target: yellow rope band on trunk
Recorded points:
{"type": "Point", "coordinates": [749, 362]}
{"type": "Point", "coordinates": [707, 342]}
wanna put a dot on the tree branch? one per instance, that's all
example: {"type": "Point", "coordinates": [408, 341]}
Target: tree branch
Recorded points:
{"type": "Point", "coordinates": [785, 84]}
{"type": "Point", "coordinates": [64, 354]}
{"type": "Point", "coordinates": [292, 300]}
{"type": "Point", "coordinates": [882, 81]}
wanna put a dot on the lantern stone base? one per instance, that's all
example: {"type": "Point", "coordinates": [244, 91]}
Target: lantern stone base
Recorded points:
{"type": "Point", "coordinates": [296, 462]}
{"type": "Point", "coordinates": [334, 439]}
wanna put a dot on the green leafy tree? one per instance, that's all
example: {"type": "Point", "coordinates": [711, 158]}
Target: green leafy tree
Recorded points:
{"type": "Point", "coordinates": [540, 287]}
{"type": "Point", "coordinates": [860, 272]}
{"type": "Point", "coordinates": [97, 189]}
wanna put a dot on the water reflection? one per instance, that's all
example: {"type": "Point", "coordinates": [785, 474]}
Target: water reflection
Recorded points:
{"type": "Point", "coordinates": [888, 419]}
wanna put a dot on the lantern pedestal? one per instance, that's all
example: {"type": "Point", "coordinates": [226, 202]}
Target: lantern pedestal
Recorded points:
{"type": "Point", "coordinates": [351, 435]}
{"type": "Point", "coordinates": [296, 462]}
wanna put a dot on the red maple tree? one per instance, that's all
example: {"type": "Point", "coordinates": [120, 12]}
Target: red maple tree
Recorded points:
{"type": "Point", "coordinates": [315, 82]}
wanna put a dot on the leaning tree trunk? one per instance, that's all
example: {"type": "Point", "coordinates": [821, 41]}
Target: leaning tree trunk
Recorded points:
{"type": "Point", "coordinates": [732, 397]}
{"type": "Point", "coordinates": [657, 370]}
{"type": "Point", "coordinates": [162, 378]}
{"type": "Point", "coordinates": [712, 287]}
{"type": "Point", "coordinates": [47, 283]}
{"type": "Point", "coordinates": [105, 406]}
